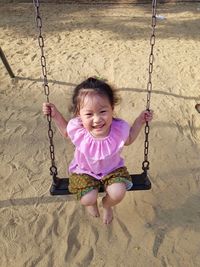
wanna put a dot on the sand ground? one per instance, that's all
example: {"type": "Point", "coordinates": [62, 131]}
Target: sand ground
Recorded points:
{"type": "Point", "coordinates": [160, 227]}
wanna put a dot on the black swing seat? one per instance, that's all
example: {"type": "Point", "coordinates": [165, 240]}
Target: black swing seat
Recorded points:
{"type": "Point", "coordinates": [140, 182]}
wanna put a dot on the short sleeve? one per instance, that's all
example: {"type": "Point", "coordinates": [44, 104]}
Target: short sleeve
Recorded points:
{"type": "Point", "coordinates": [75, 130]}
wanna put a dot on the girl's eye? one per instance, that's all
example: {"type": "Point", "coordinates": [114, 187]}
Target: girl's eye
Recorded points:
{"type": "Point", "coordinates": [88, 114]}
{"type": "Point", "coordinates": [103, 111]}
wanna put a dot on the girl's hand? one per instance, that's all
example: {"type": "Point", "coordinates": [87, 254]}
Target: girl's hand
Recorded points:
{"type": "Point", "coordinates": [145, 116]}
{"type": "Point", "coordinates": [49, 109]}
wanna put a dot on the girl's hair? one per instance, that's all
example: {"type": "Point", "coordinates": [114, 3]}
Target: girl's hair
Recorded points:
{"type": "Point", "coordinates": [92, 86]}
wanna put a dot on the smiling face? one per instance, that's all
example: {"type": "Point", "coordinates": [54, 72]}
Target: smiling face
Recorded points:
{"type": "Point", "coordinates": [96, 114]}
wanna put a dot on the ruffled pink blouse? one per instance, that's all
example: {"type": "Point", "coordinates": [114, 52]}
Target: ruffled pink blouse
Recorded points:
{"type": "Point", "coordinates": [97, 157]}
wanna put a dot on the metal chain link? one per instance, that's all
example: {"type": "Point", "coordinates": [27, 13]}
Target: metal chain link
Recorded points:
{"type": "Point", "coordinates": [145, 164]}
{"type": "Point", "coordinates": [53, 168]}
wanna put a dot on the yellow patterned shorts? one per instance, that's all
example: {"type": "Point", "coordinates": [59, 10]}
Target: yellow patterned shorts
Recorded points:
{"type": "Point", "coordinates": [81, 184]}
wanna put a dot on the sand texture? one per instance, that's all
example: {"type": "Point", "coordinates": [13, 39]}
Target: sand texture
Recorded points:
{"type": "Point", "coordinates": [160, 227]}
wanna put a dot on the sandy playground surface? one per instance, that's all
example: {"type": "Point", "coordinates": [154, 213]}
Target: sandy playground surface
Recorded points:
{"type": "Point", "coordinates": [160, 227]}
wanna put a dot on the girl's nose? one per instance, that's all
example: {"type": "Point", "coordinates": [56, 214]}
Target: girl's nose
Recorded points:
{"type": "Point", "coordinates": [96, 118]}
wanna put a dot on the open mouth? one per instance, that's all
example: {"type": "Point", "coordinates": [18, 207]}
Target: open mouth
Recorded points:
{"type": "Point", "coordinates": [98, 127]}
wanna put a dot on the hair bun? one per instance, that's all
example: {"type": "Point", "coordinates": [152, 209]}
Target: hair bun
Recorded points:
{"type": "Point", "coordinates": [92, 79]}
{"type": "Point", "coordinates": [97, 78]}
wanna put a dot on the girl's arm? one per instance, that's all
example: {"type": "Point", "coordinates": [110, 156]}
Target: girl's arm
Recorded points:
{"type": "Point", "coordinates": [137, 126]}
{"type": "Point", "coordinates": [61, 123]}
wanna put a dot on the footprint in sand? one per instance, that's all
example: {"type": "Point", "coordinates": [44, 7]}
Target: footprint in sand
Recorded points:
{"type": "Point", "coordinates": [10, 234]}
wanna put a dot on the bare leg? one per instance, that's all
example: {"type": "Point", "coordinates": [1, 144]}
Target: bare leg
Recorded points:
{"type": "Point", "coordinates": [90, 202]}
{"type": "Point", "coordinates": [93, 210]}
{"type": "Point", "coordinates": [115, 193]}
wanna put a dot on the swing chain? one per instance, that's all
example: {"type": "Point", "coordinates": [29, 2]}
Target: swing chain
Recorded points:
{"type": "Point", "coordinates": [53, 168]}
{"type": "Point", "coordinates": [145, 164]}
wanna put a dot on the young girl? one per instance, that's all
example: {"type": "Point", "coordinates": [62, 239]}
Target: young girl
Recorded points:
{"type": "Point", "coordinates": [98, 138]}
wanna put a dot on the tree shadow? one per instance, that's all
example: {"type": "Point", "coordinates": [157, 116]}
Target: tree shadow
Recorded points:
{"type": "Point", "coordinates": [125, 89]}
{"type": "Point", "coordinates": [89, 17]}
{"type": "Point", "coordinates": [185, 216]}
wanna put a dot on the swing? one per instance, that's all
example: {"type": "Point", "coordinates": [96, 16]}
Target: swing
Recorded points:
{"type": "Point", "coordinates": [60, 185]}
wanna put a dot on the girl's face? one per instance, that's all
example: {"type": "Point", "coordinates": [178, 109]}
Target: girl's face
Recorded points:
{"type": "Point", "coordinates": [96, 114]}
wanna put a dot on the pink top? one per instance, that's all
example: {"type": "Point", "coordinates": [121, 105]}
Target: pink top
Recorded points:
{"type": "Point", "coordinates": [97, 157]}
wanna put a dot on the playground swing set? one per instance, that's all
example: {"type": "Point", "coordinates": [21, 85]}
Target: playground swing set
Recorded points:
{"type": "Point", "coordinates": [60, 185]}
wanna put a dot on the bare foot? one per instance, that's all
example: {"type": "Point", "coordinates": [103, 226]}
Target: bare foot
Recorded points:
{"type": "Point", "coordinates": [107, 215]}
{"type": "Point", "coordinates": [93, 210]}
